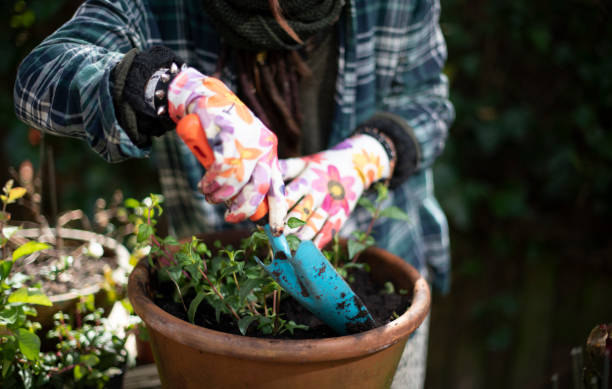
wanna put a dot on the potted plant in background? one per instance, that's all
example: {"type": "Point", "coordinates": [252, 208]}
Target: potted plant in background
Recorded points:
{"type": "Point", "coordinates": [80, 261]}
{"type": "Point", "coordinates": [250, 337]}
{"type": "Point", "coordinates": [86, 351]}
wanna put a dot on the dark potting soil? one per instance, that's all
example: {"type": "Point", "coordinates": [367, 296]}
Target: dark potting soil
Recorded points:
{"type": "Point", "coordinates": [382, 305]}
{"type": "Point", "coordinates": [81, 272]}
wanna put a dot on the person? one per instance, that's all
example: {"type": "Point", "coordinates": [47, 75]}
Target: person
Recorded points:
{"type": "Point", "coordinates": [333, 96]}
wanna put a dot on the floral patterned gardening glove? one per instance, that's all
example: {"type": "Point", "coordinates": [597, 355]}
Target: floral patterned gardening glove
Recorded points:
{"type": "Point", "coordinates": [245, 167]}
{"type": "Point", "coordinates": [330, 182]}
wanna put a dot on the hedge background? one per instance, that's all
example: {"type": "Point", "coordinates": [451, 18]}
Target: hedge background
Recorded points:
{"type": "Point", "coordinates": [525, 180]}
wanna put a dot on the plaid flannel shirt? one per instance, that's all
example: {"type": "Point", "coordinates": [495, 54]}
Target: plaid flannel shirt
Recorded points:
{"type": "Point", "coordinates": [391, 55]}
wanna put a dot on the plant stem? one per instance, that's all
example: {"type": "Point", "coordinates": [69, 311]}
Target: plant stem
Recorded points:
{"type": "Point", "coordinates": [275, 310]}
{"type": "Point", "coordinates": [369, 230]}
{"type": "Point", "coordinates": [219, 294]}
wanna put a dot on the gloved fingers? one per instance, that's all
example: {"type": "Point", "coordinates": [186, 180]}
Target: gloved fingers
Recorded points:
{"type": "Point", "coordinates": [331, 227]}
{"type": "Point", "coordinates": [313, 225]}
{"type": "Point", "coordinates": [302, 209]}
{"type": "Point", "coordinates": [277, 204]}
{"type": "Point", "coordinates": [245, 203]}
{"type": "Point", "coordinates": [291, 167]}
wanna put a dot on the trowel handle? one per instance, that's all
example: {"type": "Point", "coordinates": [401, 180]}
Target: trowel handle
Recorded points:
{"type": "Point", "coordinates": [192, 133]}
{"type": "Point", "coordinates": [190, 130]}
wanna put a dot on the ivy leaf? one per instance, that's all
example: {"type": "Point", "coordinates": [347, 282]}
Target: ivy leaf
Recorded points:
{"type": "Point", "coordinates": [354, 247]}
{"type": "Point", "coordinates": [29, 248]}
{"type": "Point", "coordinates": [29, 344]}
{"type": "Point", "coordinates": [394, 212]}
{"type": "Point", "coordinates": [193, 306]}
{"type": "Point", "coordinates": [245, 322]}
{"type": "Point", "coordinates": [24, 295]}
{"type": "Point", "coordinates": [294, 222]}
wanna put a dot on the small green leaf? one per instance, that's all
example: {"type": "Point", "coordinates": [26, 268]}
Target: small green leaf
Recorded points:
{"type": "Point", "coordinates": [5, 269]}
{"type": "Point", "coordinates": [6, 365]}
{"type": "Point", "coordinates": [388, 288]}
{"type": "Point", "coordinates": [394, 212]}
{"type": "Point", "coordinates": [16, 193]}
{"type": "Point", "coordinates": [144, 232]}
{"type": "Point", "coordinates": [29, 296]}
{"type": "Point", "coordinates": [247, 287]}
{"type": "Point", "coordinates": [131, 203]}
{"type": "Point", "coordinates": [9, 315]}
{"type": "Point", "coordinates": [354, 247]}
{"type": "Point", "coordinates": [78, 372]}
{"type": "Point", "coordinates": [193, 307]}
{"type": "Point", "coordinates": [367, 204]}
{"type": "Point", "coordinates": [382, 190]}
{"type": "Point", "coordinates": [294, 222]}
{"type": "Point", "coordinates": [293, 242]}
{"type": "Point", "coordinates": [29, 344]}
{"type": "Point", "coordinates": [29, 248]}
{"type": "Point", "coordinates": [245, 322]}
{"type": "Point", "coordinates": [90, 360]}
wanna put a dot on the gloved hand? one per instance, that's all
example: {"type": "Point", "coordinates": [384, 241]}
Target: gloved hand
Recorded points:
{"type": "Point", "coordinates": [245, 167]}
{"type": "Point", "coordinates": [331, 182]}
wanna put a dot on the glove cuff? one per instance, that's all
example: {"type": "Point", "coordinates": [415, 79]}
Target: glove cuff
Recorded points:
{"type": "Point", "coordinates": [131, 76]}
{"type": "Point", "coordinates": [402, 136]}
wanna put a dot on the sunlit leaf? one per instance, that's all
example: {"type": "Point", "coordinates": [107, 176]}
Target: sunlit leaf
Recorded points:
{"type": "Point", "coordinates": [16, 193]}
{"type": "Point", "coordinates": [294, 222]}
{"type": "Point", "coordinates": [29, 344]}
{"type": "Point", "coordinates": [29, 248]}
{"type": "Point", "coordinates": [24, 295]}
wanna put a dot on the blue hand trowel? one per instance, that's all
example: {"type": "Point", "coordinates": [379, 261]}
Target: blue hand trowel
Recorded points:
{"type": "Point", "coordinates": [313, 282]}
{"type": "Point", "coordinates": [307, 275]}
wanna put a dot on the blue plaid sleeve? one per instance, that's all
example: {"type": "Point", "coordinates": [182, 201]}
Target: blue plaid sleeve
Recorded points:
{"type": "Point", "coordinates": [64, 86]}
{"type": "Point", "coordinates": [419, 89]}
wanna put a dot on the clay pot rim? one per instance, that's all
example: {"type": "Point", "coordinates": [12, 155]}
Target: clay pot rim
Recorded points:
{"type": "Point", "coordinates": [121, 254]}
{"type": "Point", "coordinates": [286, 350]}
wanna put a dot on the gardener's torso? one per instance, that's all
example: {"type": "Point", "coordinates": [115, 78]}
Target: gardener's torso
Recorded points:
{"type": "Point", "coordinates": [341, 93]}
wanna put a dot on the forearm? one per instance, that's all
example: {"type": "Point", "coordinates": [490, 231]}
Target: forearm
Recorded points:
{"type": "Point", "coordinates": [417, 104]}
{"type": "Point", "coordinates": [64, 85]}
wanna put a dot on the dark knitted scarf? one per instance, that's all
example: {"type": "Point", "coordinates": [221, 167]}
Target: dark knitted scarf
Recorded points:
{"type": "Point", "coordinates": [250, 24]}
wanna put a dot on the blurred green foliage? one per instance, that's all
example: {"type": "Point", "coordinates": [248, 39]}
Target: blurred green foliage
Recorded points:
{"type": "Point", "coordinates": [526, 183]}
{"type": "Point", "coordinates": [532, 86]}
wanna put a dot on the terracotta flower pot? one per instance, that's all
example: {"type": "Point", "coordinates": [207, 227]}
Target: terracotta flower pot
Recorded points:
{"type": "Point", "coordinates": [189, 356]}
{"type": "Point", "coordinates": [66, 302]}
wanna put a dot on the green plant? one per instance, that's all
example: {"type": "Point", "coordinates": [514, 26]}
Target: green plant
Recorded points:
{"type": "Point", "coordinates": [88, 354]}
{"type": "Point", "coordinates": [20, 346]}
{"type": "Point", "coordinates": [227, 278]}
{"type": "Point", "coordinates": [223, 277]}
